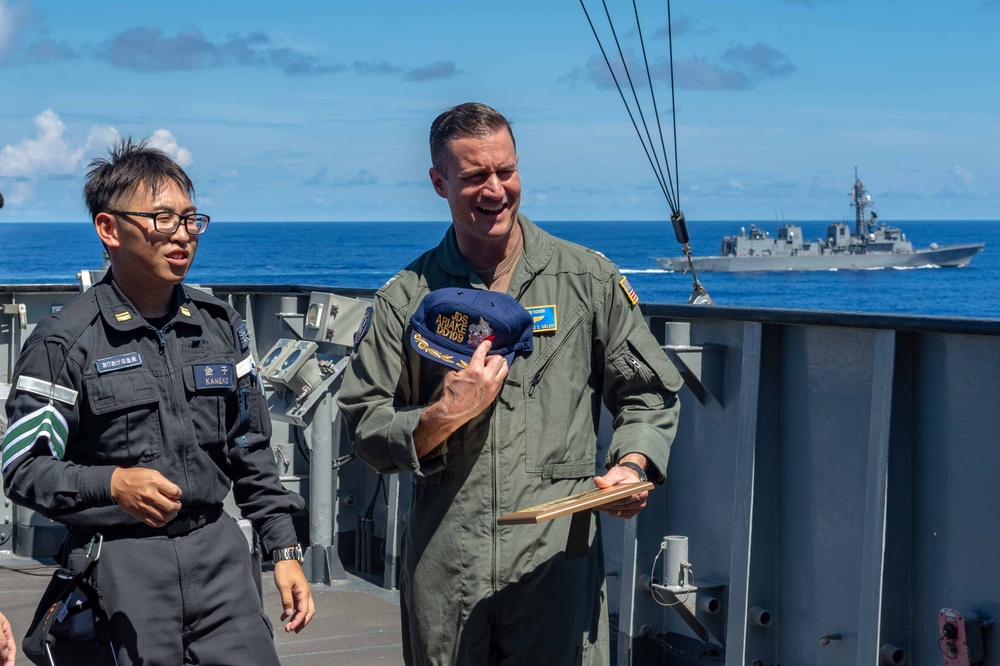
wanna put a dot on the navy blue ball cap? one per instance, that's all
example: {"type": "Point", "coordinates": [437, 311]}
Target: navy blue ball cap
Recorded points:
{"type": "Point", "coordinates": [450, 323]}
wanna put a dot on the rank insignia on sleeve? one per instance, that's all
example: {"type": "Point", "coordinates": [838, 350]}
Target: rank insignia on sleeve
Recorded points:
{"type": "Point", "coordinates": [366, 322]}
{"type": "Point", "coordinates": [543, 318]}
{"type": "Point", "coordinates": [630, 294]}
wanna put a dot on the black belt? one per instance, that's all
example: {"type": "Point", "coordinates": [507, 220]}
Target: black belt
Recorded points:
{"type": "Point", "coordinates": [187, 520]}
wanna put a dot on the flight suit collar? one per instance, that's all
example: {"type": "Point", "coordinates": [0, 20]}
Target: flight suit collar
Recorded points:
{"type": "Point", "coordinates": [537, 253]}
{"type": "Point", "coordinates": [121, 315]}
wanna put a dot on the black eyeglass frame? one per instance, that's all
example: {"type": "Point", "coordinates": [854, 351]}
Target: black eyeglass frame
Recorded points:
{"type": "Point", "coordinates": [176, 217]}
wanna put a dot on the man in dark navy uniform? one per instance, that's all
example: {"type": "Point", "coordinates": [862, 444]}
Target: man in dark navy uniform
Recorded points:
{"type": "Point", "coordinates": [133, 411]}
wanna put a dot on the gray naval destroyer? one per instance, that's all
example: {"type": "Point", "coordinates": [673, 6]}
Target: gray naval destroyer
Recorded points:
{"type": "Point", "coordinates": [873, 245]}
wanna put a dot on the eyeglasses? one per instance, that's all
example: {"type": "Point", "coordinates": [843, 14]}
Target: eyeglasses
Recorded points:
{"type": "Point", "coordinates": [166, 222]}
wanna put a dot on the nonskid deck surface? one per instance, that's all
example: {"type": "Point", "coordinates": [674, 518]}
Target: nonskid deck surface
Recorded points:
{"type": "Point", "coordinates": [356, 623]}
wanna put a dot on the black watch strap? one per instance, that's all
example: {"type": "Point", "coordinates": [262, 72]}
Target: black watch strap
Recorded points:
{"type": "Point", "coordinates": [635, 466]}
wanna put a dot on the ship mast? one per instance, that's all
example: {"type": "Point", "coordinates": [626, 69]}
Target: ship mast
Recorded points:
{"type": "Point", "coordinates": [861, 202]}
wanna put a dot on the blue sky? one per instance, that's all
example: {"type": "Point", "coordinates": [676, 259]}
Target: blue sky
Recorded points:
{"type": "Point", "coordinates": [320, 110]}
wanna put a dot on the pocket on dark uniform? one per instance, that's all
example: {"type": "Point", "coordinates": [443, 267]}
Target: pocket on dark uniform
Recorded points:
{"type": "Point", "coordinates": [210, 405]}
{"type": "Point", "coordinates": [124, 410]}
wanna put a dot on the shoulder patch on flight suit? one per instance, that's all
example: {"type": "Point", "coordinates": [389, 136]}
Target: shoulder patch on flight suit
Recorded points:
{"type": "Point", "coordinates": [363, 327]}
{"type": "Point", "coordinates": [121, 362]}
{"type": "Point", "coordinates": [543, 318]}
{"type": "Point", "coordinates": [214, 376]}
{"type": "Point", "coordinates": [630, 294]}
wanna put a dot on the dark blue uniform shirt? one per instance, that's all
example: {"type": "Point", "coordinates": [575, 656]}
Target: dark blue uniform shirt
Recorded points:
{"type": "Point", "coordinates": [98, 387]}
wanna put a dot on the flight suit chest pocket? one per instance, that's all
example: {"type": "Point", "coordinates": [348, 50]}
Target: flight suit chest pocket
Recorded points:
{"type": "Point", "coordinates": [124, 419]}
{"type": "Point", "coordinates": [210, 388]}
{"type": "Point", "coordinates": [559, 403]}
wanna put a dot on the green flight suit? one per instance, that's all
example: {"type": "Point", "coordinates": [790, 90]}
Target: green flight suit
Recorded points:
{"type": "Point", "coordinates": [473, 592]}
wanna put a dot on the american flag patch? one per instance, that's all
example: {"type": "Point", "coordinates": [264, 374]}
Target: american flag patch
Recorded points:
{"type": "Point", "coordinates": [630, 294]}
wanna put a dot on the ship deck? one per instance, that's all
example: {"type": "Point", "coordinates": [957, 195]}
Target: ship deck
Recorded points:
{"type": "Point", "coordinates": [356, 622]}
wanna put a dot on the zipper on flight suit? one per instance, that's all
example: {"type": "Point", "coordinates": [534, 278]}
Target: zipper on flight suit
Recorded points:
{"type": "Point", "coordinates": [160, 334]}
{"type": "Point", "coordinates": [496, 535]}
{"type": "Point", "coordinates": [562, 343]}
{"type": "Point", "coordinates": [633, 362]}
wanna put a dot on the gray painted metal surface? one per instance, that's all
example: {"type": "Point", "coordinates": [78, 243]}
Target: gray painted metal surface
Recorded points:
{"type": "Point", "coordinates": [834, 474]}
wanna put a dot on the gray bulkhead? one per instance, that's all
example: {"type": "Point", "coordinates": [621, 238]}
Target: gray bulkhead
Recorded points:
{"type": "Point", "coordinates": [833, 474]}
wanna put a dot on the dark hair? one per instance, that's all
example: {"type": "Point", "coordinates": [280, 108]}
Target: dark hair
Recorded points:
{"type": "Point", "coordinates": [465, 120]}
{"type": "Point", "coordinates": [130, 164]}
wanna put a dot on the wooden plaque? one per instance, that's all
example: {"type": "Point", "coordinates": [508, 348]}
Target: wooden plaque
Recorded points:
{"type": "Point", "coordinates": [588, 499]}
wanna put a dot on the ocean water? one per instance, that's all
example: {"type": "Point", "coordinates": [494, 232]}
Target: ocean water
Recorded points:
{"type": "Point", "coordinates": [366, 254]}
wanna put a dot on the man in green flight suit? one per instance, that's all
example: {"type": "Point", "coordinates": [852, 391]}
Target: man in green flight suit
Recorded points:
{"type": "Point", "coordinates": [495, 436]}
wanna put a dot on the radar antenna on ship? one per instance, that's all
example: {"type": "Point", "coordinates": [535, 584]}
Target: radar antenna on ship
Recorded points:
{"type": "Point", "coordinates": [861, 201]}
{"type": "Point", "coordinates": [661, 170]}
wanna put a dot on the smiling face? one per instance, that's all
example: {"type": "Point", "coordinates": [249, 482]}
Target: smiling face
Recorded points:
{"type": "Point", "coordinates": [146, 263]}
{"type": "Point", "coordinates": [480, 181]}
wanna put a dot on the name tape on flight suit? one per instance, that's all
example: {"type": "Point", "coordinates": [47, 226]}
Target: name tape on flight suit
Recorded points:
{"type": "Point", "coordinates": [543, 318]}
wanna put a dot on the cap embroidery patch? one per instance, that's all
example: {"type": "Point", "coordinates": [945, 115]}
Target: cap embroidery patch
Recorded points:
{"type": "Point", "coordinates": [480, 332]}
{"type": "Point", "coordinates": [123, 316]}
{"type": "Point", "coordinates": [452, 327]}
{"type": "Point", "coordinates": [630, 294]}
{"type": "Point", "coordinates": [426, 348]}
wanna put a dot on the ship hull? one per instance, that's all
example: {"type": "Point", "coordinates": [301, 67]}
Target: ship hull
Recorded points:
{"type": "Point", "coordinates": [954, 256]}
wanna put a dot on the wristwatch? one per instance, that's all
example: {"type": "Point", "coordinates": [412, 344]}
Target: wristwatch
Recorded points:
{"type": "Point", "coordinates": [290, 553]}
{"type": "Point", "coordinates": [635, 466]}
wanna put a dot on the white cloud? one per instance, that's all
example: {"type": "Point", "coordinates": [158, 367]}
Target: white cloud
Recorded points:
{"type": "Point", "coordinates": [736, 185]}
{"type": "Point", "coordinates": [100, 139]}
{"type": "Point", "coordinates": [19, 192]}
{"type": "Point", "coordinates": [967, 178]}
{"type": "Point", "coordinates": [166, 142]}
{"type": "Point", "coordinates": [48, 153]}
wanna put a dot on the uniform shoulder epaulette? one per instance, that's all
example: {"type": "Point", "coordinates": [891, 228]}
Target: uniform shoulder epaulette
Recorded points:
{"type": "Point", "coordinates": [207, 300]}
{"type": "Point", "coordinates": [72, 319]}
